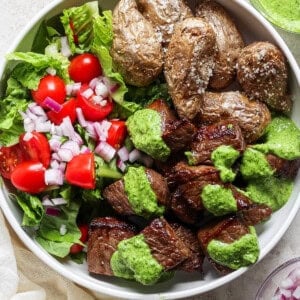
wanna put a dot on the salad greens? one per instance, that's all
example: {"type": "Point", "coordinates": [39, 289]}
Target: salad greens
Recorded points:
{"type": "Point", "coordinates": [86, 29]}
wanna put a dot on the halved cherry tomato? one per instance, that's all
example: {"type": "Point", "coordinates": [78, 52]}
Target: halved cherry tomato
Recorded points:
{"type": "Point", "coordinates": [76, 248]}
{"type": "Point", "coordinates": [29, 176]}
{"type": "Point", "coordinates": [84, 67]}
{"type": "Point", "coordinates": [92, 110]}
{"type": "Point", "coordinates": [116, 133]}
{"type": "Point", "coordinates": [37, 147]}
{"type": "Point", "coordinates": [68, 110]}
{"type": "Point", "coordinates": [80, 171]}
{"type": "Point", "coordinates": [10, 157]}
{"type": "Point", "coordinates": [50, 86]}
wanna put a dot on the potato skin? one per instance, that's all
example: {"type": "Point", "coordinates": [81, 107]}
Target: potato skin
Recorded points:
{"type": "Point", "coordinates": [252, 116]}
{"type": "Point", "coordinates": [188, 65]}
{"type": "Point", "coordinates": [229, 43]}
{"type": "Point", "coordinates": [163, 15]}
{"type": "Point", "coordinates": [262, 74]}
{"type": "Point", "coordinates": [136, 51]}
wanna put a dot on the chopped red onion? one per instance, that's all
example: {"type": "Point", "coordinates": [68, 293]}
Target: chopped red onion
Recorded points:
{"type": "Point", "coordinates": [123, 153]}
{"type": "Point", "coordinates": [52, 104]}
{"type": "Point", "coordinates": [59, 201]}
{"type": "Point", "coordinates": [54, 177]}
{"type": "Point", "coordinates": [72, 146]}
{"type": "Point", "coordinates": [296, 293]}
{"type": "Point", "coordinates": [54, 144]}
{"type": "Point", "coordinates": [63, 229]}
{"type": "Point", "coordinates": [135, 155]}
{"type": "Point", "coordinates": [51, 71]}
{"type": "Point", "coordinates": [54, 164]}
{"type": "Point", "coordinates": [46, 201]}
{"type": "Point", "coordinates": [97, 99]}
{"type": "Point", "coordinates": [80, 117]}
{"type": "Point", "coordinates": [87, 93]}
{"type": "Point", "coordinates": [73, 88]}
{"type": "Point", "coordinates": [91, 130]}
{"type": "Point", "coordinates": [101, 90]}
{"type": "Point", "coordinates": [37, 110]}
{"type": "Point", "coordinates": [67, 128]}
{"type": "Point", "coordinates": [43, 126]}
{"type": "Point", "coordinates": [28, 125]}
{"type": "Point", "coordinates": [62, 166]}
{"type": "Point", "coordinates": [27, 136]}
{"type": "Point", "coordinates": [85, 149]}
{"type": "Point", "coordinates": [55, 156]}
{"type": "Point", "coordinates": [52, 211]}
{"type": "Point", "coordinates": [106, 151]}
{"type": "Point", "coordinates": [121, 165]}
{"type": "Point", "coordinates": [101, 129]}
{"type": "Point", "coordinates": [103, 103]}
{"type": "Point", "coordinates": [93, 83]}
{"type": "Point", "coordinates": [289, 288]}
{"type": "Point", "coordinates": [31, 115]}
{"type": "Point", "coordinates": [65, 47]}
{"type": "Point", "coordinates": [65, 155]}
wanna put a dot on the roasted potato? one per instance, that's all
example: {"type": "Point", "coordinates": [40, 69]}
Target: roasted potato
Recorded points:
{"type": "Point", "coordinates": [252, 116]}
{"type": "Point", "coordinates": [136, 51]}
{"type": "Point", "coordinates": [229, 43]}
{"type": "Point", "coordinates": [262, 74]}
{"type": "Point", "coordinates": [164, 15]}
{"type": "Point", "coordinates": [188, 65]}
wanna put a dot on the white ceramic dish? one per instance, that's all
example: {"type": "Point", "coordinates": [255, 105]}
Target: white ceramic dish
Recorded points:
{"type": "Point", "coordinates": [253, 27]}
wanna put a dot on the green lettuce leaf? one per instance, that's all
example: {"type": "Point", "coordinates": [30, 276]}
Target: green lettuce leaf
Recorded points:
{"type": "Point", "coordinates": [35, 65]}
{"type": "Point", "coordinates": [11, 123]}
{"type": "Point", "coordinates": [50, 225]}
{"type": "Point", "coordinates": [32, 208]}
{"type": "Point", "coordinates": [125, 109]}
{"type": "Point", "coordinates": [146, 95]}
{"type": "Point", "coordinates": [103, 38]}
{"type": "Point", "coordinates": [78, 25]}
{"type": "Point", "coordinates": [59, 249]}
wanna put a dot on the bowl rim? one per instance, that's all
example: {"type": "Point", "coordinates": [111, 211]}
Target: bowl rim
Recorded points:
{"type": "Point", "coordinates": [274, 272]}
{"type": "Point", "coordinates": [111, 291]}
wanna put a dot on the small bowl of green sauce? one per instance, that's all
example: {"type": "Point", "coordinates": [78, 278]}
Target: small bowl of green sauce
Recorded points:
{"type": "Point", "coordinates": [282, 13]}
{"type": "Point", "coordinates": [282, 283]}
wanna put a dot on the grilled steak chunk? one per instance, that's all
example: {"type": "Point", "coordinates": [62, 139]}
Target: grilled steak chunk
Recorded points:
{"type": "Point", "coordinates": [182, 173]}
{"type": "Point", "coordinates": [166, 247]}
{"type": "Point", "coordinates": [117, 198]}
{"type": "Point", "coordinates": [116, 195]}
{"type": "Point", "coordinates": [210, 137]}
{"type": "Point", "coordinates": [177, 134]}
{"type": "Point", "coordinates": [104, 237]}
{"type": "Point", "coordinates": [251, 213]}
{"type": "Point", "coordinates": [227, 231]}
{"type": "Point", "coordinates": [195, 260]}
{"type": "Point", "coordinates": [284, 168]}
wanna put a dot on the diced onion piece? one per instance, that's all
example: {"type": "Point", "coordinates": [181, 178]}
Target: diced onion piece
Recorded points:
{"type": "Point", "coordinates": [59, 201]}
{"type": "Point", "coordinates": [135, 155]}
{"type": "Point", "coordinates": [101, 90]}
{"type": "Point", "coordinates": [65, 47]}
{"type": "Point", "coordinates": [123, 153]}
{"type": "Point", "coordinates": [80, 117]}
{"type": "Point", "coordinates": [296, 293]}
{"type": "Point", "coordinates": [46, 201]}
{"type": "Point", "coordinates": [106, 151]}
{"type": "Point", "coordinates": [85, 149]}
{"type": "Point", "coordinates": [286, 293]}
{"type": "Point", "coordinates": [73, 88]}
{"type": "Point", "coordinates": [101, 129]}
{"type": "Point", "coordinates": [54, 177]}
{"type": "Point", "coordinates": [43, 126]}
{"type": "Point", "coordinates": [54, 164]}
{"type": "Point", "coordinates": [27, 136]}
{"type": "Point", "coordinates": [121, 165]}
{"type": "Point", "coordinates": [63, 229]}
{"type": "Point", "coordinates": [94, 82]}
{"type": "Point", "coordinates": [65, 154]}
{"type": "Point", "coordinates": [72, 146]}
{"type": "Point", "coordinates": [37, 110]}
{"type": "Point", "coordinates": [287, 283]}
{"type": "Point", "coordinates": [54, 144]}
{"type": "Point", "coordinates": [52, 104]}
{"type": "Point", "coordinates": [97, 99]}
{"type": "Point", "coordinates": [87, 93]}
{"type": "Point", "coordinates": [52, 211]}
{"type": "Point", "coordinates": [51, 71]}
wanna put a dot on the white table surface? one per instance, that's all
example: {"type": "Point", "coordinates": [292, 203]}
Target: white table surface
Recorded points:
{"type": "Point", "coordinates": [17, 13]}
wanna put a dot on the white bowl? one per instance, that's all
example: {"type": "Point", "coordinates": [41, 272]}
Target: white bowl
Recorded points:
{"type": "Point", "coordinates": [253, 27]}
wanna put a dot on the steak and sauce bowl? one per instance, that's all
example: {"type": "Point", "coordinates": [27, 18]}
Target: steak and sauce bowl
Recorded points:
{"type": "Point", "coordinates": [214, 98]}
